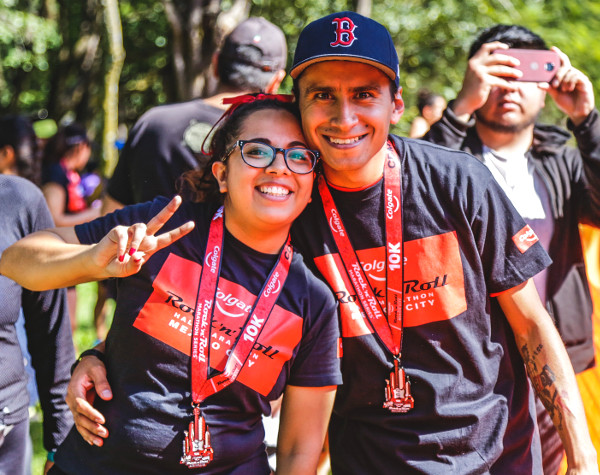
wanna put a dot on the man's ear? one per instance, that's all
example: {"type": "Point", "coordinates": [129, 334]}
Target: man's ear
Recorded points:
{"type": "Point", "coordinates": [219, 171]}
{"type": "Point", "coordinates": [7, 160]}
{"type": "Point", "coordinates": [398, 107]}
{"type": "Point", "coordinates": [275, 82]}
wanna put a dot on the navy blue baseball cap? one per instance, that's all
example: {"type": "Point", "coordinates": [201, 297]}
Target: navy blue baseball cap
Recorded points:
{"type": "Point", "coordinates": [347, 36]}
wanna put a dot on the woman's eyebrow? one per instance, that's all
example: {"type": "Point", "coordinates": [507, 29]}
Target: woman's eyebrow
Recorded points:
{"type": "Point", "coordinates": [294, 143]}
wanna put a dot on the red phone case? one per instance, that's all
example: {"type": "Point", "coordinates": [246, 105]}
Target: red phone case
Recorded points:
{"type": "Point", "coordinates": [537, 65]}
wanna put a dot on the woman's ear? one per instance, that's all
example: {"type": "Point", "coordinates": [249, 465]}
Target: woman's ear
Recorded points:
{"type": "Point", "coordinates": [219, 171]}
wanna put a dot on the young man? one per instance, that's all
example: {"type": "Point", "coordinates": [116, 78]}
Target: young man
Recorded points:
{"type": "Point", "coordinates": [437, 385]}
{"type": "Point", "coordinates": [554, 187]}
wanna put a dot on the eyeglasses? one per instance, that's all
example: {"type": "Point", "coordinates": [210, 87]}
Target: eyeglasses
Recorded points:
{"type": "Point", "coordinates": [255, 154]}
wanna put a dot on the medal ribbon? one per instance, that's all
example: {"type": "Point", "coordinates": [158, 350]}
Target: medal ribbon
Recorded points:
{"type": "Point", "coordinates": [202, 385]}
{"type": "Point", "coordinates": [388, 330]}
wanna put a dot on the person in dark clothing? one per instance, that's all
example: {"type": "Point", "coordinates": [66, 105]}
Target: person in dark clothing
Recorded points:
{"type": "Point", "coordinates": [167, 140]}
{"type": "Point", "coordinates": [432, 267]}
{"type": "Point", "coordinates": [216, 316]}
{"type": "Point", "coordinates": [554, 186]}
{"type": "Point", "coordinates": [23, 211]}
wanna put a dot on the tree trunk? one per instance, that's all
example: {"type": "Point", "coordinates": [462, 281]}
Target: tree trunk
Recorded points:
{"type": "Point", "coordinates": [197, 27]}
{"type": "Point", "coordinates": [364, 7]}
{"type": "Point", "coordinates": [111, 95]}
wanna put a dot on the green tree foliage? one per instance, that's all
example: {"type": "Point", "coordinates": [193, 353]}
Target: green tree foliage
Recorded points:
{"type": "Point", "coordinates": [25, 41]}
{"type": "Point", "coordinates": [54, 53]}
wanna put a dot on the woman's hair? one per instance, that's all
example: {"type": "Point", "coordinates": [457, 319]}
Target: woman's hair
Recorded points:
{"type": "Point", "coordinates": [17, 132]}
{"type": "Point", "coordinates": [67, 138]}
{"type": "Point", "coordinates": [201, 185]}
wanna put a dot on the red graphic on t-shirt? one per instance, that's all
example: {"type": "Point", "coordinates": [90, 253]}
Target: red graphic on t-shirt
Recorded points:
{"type": "Point", "coordinates": [168, 316]}
{"type": "Point", "coordinates": [433, 290]}
{"type": "Point", "coordinates": [525, 238]}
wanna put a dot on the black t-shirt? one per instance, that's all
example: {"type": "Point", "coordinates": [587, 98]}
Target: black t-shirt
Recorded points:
{"type": "Point", "coordinates": [164, 143]}
{"type": "Point", "coordinates": [149, 343]}
{"type": "Point", "coordinates": [468, 380]}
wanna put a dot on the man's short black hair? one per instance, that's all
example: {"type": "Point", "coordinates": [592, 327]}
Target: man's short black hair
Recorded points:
{"type": "Point", "coordinates": [514, 36]}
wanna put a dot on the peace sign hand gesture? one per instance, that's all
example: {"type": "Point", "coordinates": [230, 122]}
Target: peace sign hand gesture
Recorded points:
{"type": "Point", "coordinates": [124, 250]}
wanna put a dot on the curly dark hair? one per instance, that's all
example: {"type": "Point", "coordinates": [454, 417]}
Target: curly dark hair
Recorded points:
{"type": "Point", "coordinates": [201, 185]}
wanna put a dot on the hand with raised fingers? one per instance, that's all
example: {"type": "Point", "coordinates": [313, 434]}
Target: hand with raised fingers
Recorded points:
{"type": "Point", "coordinates": [571, 90]}
{"type": "Point", "coordinates": [485, 70]}
{"type": "Point", "coordinates": [124, 250]}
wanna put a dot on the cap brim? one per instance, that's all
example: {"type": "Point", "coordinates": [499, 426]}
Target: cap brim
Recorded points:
{"type": "Point", "coordinates": [297, 70]}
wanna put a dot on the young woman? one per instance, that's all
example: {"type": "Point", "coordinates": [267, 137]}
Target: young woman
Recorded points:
{"type": "Point", "coordinates": [65, 155]}
{"type": "Point", "coordinates": [193, 355]}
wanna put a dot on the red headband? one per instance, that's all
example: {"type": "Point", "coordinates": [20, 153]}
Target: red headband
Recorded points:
{"type": "Point", "coordinates": [237, 101]}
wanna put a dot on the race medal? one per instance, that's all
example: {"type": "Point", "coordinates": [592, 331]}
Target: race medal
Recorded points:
{"type": "Point", "coordinates": [197, 451]}
{"type": "Point", "coordinates": [387, 321]}
{"type": "Point", "coordinates": [397, 391]}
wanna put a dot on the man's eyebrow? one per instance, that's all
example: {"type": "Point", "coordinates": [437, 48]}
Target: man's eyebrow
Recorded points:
{"type": "Point", "coordinates": [369, 86]}
{"type": "Point", "coordinates": [374, 86]}
{"type": "Point", "coordinates": [318, 88]}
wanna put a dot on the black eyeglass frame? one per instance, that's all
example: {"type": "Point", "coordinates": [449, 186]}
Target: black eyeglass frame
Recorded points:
{"type": "Point", "coordinates": [284, 151]}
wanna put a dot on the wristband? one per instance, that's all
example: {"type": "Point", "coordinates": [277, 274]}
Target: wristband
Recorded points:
{"type": "Point", "coordinates": [93, 352]}
{"type": "Point", "coordinates": [50, 456]}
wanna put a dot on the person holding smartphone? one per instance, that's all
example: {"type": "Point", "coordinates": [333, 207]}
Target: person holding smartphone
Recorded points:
{"type": "Point", "coordinates": [555, 187]}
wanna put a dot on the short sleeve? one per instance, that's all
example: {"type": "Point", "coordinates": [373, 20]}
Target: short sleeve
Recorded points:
{"type": "Point", "coordinates": [509, 248]}
{"type": "Point", "coordinates": [318, 361]}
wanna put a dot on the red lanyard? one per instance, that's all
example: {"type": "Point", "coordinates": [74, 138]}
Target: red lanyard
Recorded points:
{"type": "Point", "coordinates": [202, 385]}
{"type": "Point", "coordinates": [388, 330]}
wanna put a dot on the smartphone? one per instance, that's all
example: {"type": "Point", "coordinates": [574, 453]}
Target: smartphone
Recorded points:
{"type": "Point", "coordinates": [537, 65]}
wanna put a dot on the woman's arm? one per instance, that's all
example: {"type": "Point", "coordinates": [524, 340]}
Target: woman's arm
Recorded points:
{"type": "Point", "coordinates": [54, 258]}
{"type": "Point", "coordinates": [305, 416]}
{"type": "Point", "coordinates": [55, 197]}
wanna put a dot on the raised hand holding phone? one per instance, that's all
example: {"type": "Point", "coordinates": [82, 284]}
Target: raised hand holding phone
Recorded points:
{"type": "Point", "coordinates": [535, 65]}
{"type": "Point", "coordinates": [571, 90]}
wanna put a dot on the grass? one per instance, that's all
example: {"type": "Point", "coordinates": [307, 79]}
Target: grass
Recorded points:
{"type": "Point", "coordinates": [83, 338]}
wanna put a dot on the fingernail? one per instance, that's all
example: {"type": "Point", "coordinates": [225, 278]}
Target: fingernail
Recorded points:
{"type": "Point", "coordinates": [132, 251]}
{"type": "Point", "coordinates": [121, 258]}
{"type": "Point", "coordinates": [97, 443]}
{"type": "Point", "coordinates": [105, 394]}
{"type": "Point", "coordinates": [137, 261]}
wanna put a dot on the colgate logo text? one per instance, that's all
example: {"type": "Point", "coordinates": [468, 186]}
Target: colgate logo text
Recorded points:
{"type": "Point", "coordinates": [271, 286]}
